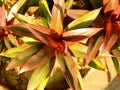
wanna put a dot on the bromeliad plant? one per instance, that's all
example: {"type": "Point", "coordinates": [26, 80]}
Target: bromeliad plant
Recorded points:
{"type": "Point", "coordinates": [55, 38]}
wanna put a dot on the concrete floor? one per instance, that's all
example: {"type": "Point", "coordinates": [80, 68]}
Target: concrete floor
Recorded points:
{"type": "Point", "coordinates": [102, 80]}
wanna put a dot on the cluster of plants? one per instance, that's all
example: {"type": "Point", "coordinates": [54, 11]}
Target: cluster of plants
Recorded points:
{"type": "Point", "coordinates": [39, 35]}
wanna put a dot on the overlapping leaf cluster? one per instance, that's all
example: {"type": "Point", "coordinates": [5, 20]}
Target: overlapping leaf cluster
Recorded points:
{"type": "Point", "coordinates": [62, 36]}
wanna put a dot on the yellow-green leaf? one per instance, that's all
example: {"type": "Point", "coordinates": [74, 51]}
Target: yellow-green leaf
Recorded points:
{"type": "Point", "coordinates": [23, 56]}
{"type": "Point", "coordinates": [13, 52]}
{"type": "Point", "coordinates": [83, 21]}
{"type": "Point", "coordinates": [40, 75]}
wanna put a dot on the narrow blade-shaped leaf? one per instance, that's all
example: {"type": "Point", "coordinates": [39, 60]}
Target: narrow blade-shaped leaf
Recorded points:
{"type": "Point", "coordinates": [67, 66]}
{"type": "Point", "coordinates": [83, 21]}
{"type": "Point", "coordinates": [2, 17]}
{"type": "Point", "coordinates": [13, 40]}
{"type": "Point", "coordinates": [7, 42]}
{"type": "Point", "coordinates": [39, 75]}
{"type": "Point", "coordinates": [44, 38]}
{"type": "Point", "coordinates": [68, 4]}
{"type": "Point", "coordinates": [25, 19]}
{"type": "Point", "coordinates": [74, 13]}
{"type": "Point", "coordinates": [78, 50]}
{"type": "Point", "coordinates": [116, 53]}
{"type": "Point", "coordinates": [97, 64]}
{"type": "Point", "coordinates": [57, 16]}
{"type": "Point", "coordinates": [112, 35]}
{"type": "Point", "coordinates": [23, 56]}
{"type": "Point", "coordinates": [38, 59]}
{"type": "Point", "coordinates": [44, 10]}
{"type": "Point", "coordinates": [80, 34]}
{"type": "Point", "coordinates": [116, 65]}
{"type": "Point", "coordinates": [16, 7]}
{"type": "Point", "coordinates": [20, 29]}
{"type": "Point", "coordinates": [13, 52]}
{"type": "Point", "coordinates": [94, 45]}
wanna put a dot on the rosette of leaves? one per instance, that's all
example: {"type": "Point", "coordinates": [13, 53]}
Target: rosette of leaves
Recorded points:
{"type": "Point", "coordinates": [55, 35]}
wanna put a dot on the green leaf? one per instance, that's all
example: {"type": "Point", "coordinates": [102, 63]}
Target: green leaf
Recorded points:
{"type": "Point", "coordinates": [38, 60]}
{"type": "Point", "coordinates": [7, 42]}
{"type": "Point", "coordinates": [13, 39]}
{"type": "Point", "coordinates": [13, 52]}
{"type": "Point", "coordinates": [68, 4]}
{"type": "Point", "coordinates": [57, 16]}
{"type": "Point", "coordinates": [116, 53]}
{"type": "Point", "coordinates": [29, 40]}
{"type": "Point", "coordinates": [25, 19]}
{"type": "Point", "coordinates": [42, 85]}
{"type": "Point", "coordinates": [1, 2]}
{"type": "Point", "coordinates": [24, 56]}
{"type": "Point", "coordinates": [78, 50]}
{"type": "Point", "coordinates": [44, 10]}
{"type": "Point", "coordinates": [67, 66]}
{"type": "Point", "coordinates": [83, 21]}
{"type": "Point", "coordinates": [20, 29]}
{"type": "Point", "coordinates": [94, 45]}
{"type": "Point", "coordinates": [16, 7]}
{"type": "Point", "coordinates": [116, 65]}
{"type": "Point", "coordinates": [40, 75]}
{"type": "Point", "coordinates": [97, 64]}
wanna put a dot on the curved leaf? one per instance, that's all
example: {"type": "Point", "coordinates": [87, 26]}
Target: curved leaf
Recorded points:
{"type": "Point", "coordinates": [80, 34]}
{"type": "Point", "coordinates": [23, 56]}
{"type": "Point", "coordinates": [94, 45]}
{"type": "Point", "coordinates": [83, 21]}
{"type": "Point", "coordinates": [38, 59]}
{"type": "Point", "coordinates": [57, 16]}
{"type": "Point", "coordinates": [40, 75]}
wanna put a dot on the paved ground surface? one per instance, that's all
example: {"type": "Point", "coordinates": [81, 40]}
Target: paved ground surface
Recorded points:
{"type": "Point", "coordinates": [102, 80]}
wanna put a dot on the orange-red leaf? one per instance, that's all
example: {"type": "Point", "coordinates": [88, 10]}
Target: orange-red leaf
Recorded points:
{"type": "Point", "coordinates": [94, 45]}
{"type": "Point", "coordinates": [43, 37]}
{"type": "Point", "coordinates": [110, 5]}
{"type": "Point", "coordinates": [2, 17]}
{"type": "Point", "coordinates": [80, 34]}
{"type": "Point", "coordinates": [74, 13]}
{"type": "Point", "coordinates": [112, 35]}
{"type": "Point", "coordinates": [38, 59]}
